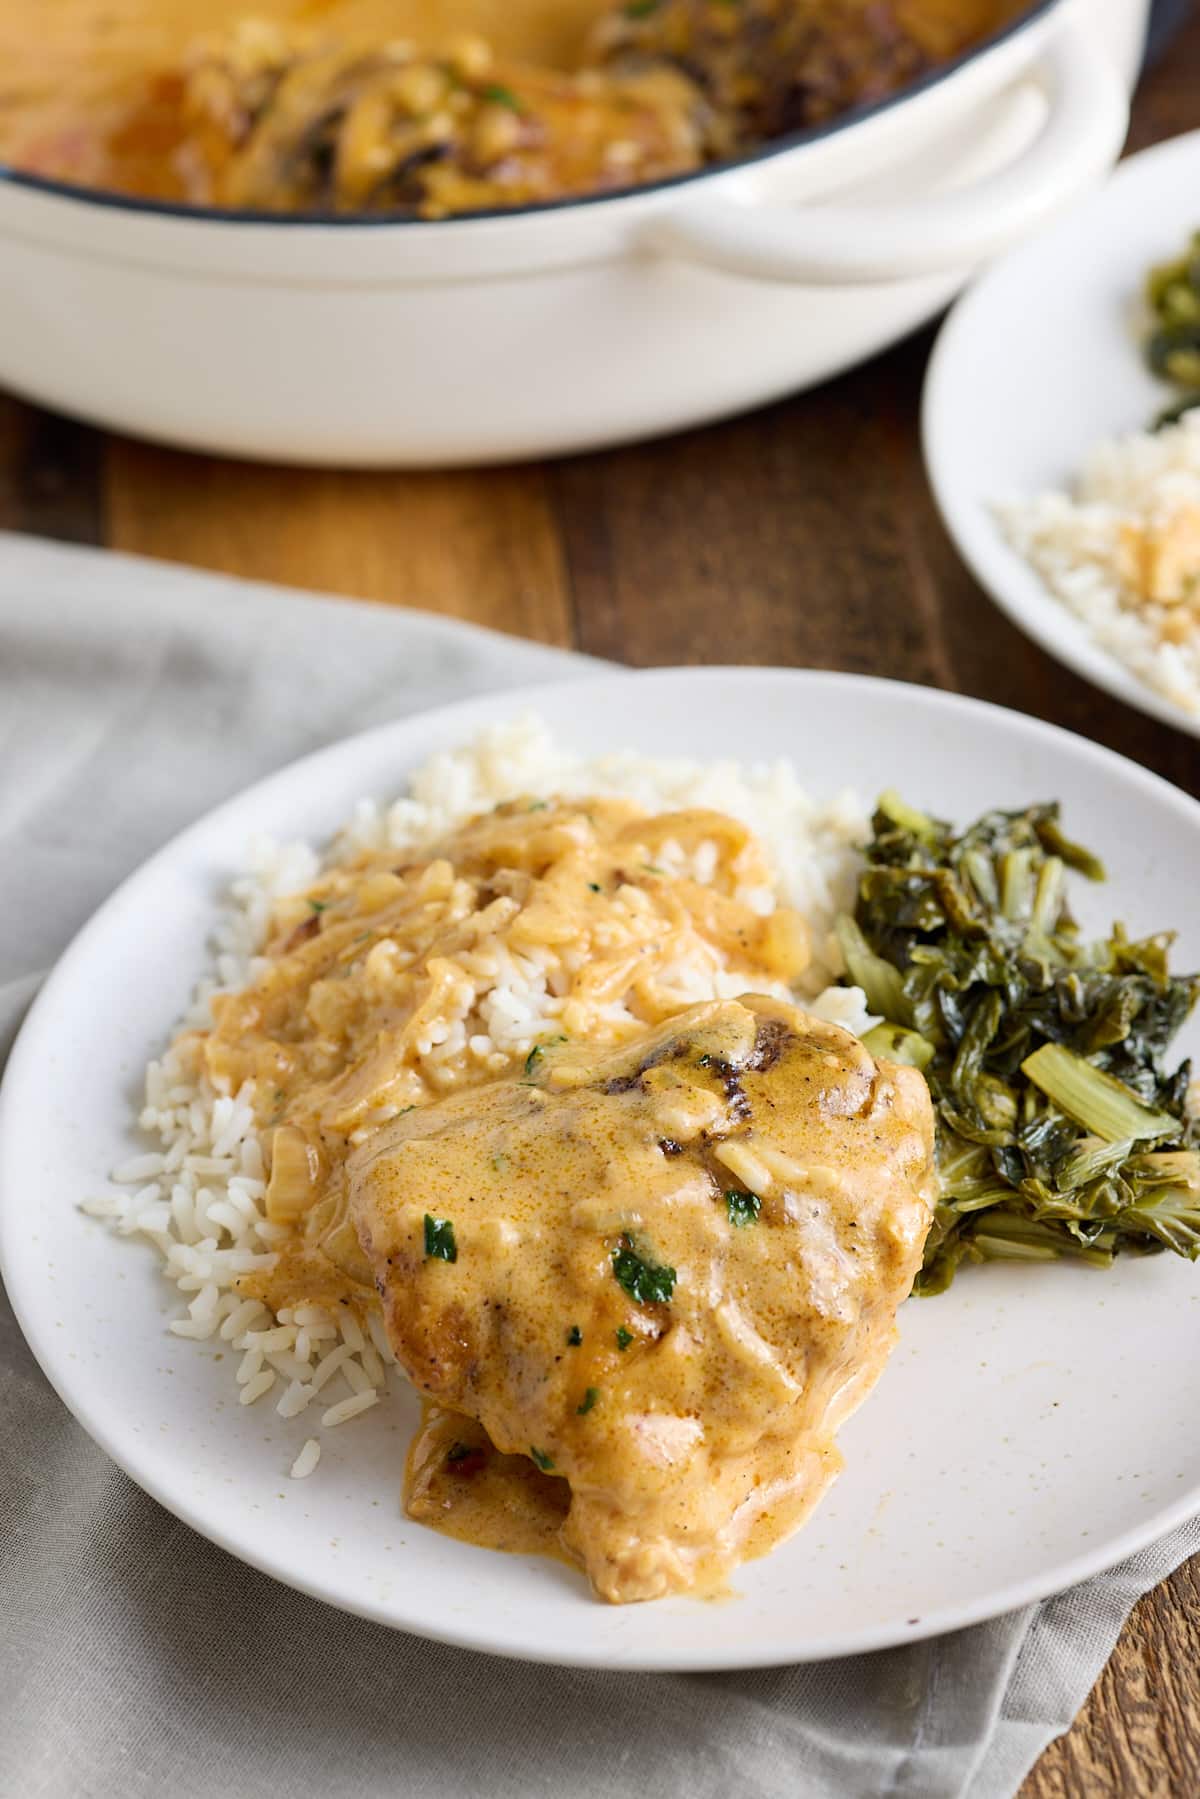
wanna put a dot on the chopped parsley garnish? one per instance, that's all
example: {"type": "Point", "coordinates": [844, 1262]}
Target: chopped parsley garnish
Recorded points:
{"type": "Point", "coordinates": [743, 1207]}
{"type": "Point", "coordinates": [458, 1452]}
{"type": "Point", "coordinates": [504, 96]}
{"type": "Point", "coordinates": [650, 1283]}
{"type": "Point", "coordinates": [574, 1337]}
{"type": "Point", "coordinates": [439, 1239]}
{"type": "Point", "coordinates": [652, 868]}
{"type": "Point", "coordinates": [589, 1400]}
{"type": "Point", "coordinates": [544, 1462]}
{"type": "Point", "coordinates": [639, 9]}
{"type": "Point", "coordinates": [595, 887]}
{"type": "Point", "coordinates": [318, 905]}
{"type": "Point", "coordinates": [538, 1051]}
{"type": "Point", "coordinates": [624, 1337]}
{"type": "Point", "coordinates": [535, 805]}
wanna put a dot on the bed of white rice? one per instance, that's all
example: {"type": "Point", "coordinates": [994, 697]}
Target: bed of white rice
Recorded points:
{"type": "Point", "coordinates": [198, 1194]}
{"type": "Point", "coordinates": [1073, 540]}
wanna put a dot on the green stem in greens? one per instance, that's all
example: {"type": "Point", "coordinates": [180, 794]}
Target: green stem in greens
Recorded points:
{"type": "Point", "coordinates": [1097, 1101]}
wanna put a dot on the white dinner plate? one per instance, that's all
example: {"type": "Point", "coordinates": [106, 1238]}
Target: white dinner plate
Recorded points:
{"type": "Point", "coordinates": [1040, 360]}
{"type": "Point", "coordinates": [1034, 1425]}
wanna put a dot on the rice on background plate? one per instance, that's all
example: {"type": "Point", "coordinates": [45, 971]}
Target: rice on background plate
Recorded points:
{"type": "Point", "coordinates": [1122, 552]}
{"type": "Point", "coordinates": [199, 1196]}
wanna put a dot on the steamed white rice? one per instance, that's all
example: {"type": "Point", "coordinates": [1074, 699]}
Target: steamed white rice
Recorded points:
{"type": "Point", "coordinates": [1074, 541]}
{"type": "Point", "coordinates": [199, 1194]}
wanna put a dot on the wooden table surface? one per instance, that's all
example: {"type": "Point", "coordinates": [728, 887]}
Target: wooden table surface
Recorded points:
{"type": "Point", "coordinates": [802, 536]}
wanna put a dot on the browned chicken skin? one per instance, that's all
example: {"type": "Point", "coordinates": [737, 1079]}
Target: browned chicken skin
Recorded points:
{"type": "Point", "coordinates": [665, 1272]}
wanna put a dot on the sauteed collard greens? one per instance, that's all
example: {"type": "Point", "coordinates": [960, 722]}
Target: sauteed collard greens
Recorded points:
{"type": "Point", "coordinates": [1060, 1129]}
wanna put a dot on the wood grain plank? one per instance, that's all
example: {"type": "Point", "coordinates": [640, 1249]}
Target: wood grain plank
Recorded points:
{"type": "Point", "coordinates": [1166, 102]}
{"type": "Point", "coordinates": [1138, 1736]}
{"type": "Point", "coordinates": [50, 475]}
{"type": "Point", "coordinates": [747, 543]}
{"type": "Point", "coordinates": [478, 544]}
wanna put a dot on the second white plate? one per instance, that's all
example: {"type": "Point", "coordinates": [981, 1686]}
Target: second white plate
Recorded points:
{"type": "Point", "coordinates": [1040, 360]}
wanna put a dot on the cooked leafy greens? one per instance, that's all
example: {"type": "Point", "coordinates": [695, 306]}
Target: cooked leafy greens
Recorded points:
{"type": "Point", "coordinates": [1173, 345]}
{"type": "Point", "coordinates": [1060, 1130]}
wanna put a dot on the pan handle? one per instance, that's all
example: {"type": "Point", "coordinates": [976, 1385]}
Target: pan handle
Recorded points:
{"type": "Point", "coordinates": [1087, 115]}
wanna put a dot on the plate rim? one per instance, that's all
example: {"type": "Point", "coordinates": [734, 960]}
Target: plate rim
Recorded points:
{"type": "Point", "coordinates": [56, 1367]}
{"type": "Point", "coordinates": [1012, 586]}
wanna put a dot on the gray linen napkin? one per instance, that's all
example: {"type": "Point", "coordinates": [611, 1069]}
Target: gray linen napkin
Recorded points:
{"type": "Point", "coordinates": [137, 1659]}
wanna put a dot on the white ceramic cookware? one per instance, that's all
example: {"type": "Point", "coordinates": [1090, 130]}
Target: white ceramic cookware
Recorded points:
{"type": "Point", "coordinates": [562, 327]}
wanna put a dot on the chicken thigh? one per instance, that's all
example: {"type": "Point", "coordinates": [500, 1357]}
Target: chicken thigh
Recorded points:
{"type": "Point", "coordinates": [665, 1272]}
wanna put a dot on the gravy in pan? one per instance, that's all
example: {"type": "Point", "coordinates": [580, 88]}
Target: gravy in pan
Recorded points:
{"type": "Point", "coordinates": [303, 105]}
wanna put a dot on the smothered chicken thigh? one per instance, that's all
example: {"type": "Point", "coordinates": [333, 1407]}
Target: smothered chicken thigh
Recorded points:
{"type": "Point", "coordinates": [665, 1271]}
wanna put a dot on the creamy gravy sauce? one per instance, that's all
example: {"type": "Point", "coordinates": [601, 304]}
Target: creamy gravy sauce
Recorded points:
{"type": "Point", "coordinates": [458, 1483]}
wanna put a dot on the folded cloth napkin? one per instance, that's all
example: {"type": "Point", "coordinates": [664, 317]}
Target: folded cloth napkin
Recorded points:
{"type": "Point", "coordinates": [138, 1659]}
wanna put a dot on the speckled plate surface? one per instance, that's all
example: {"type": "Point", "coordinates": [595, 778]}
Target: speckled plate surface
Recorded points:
{"type": "Point", "coordinates": [1031, 1427]}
